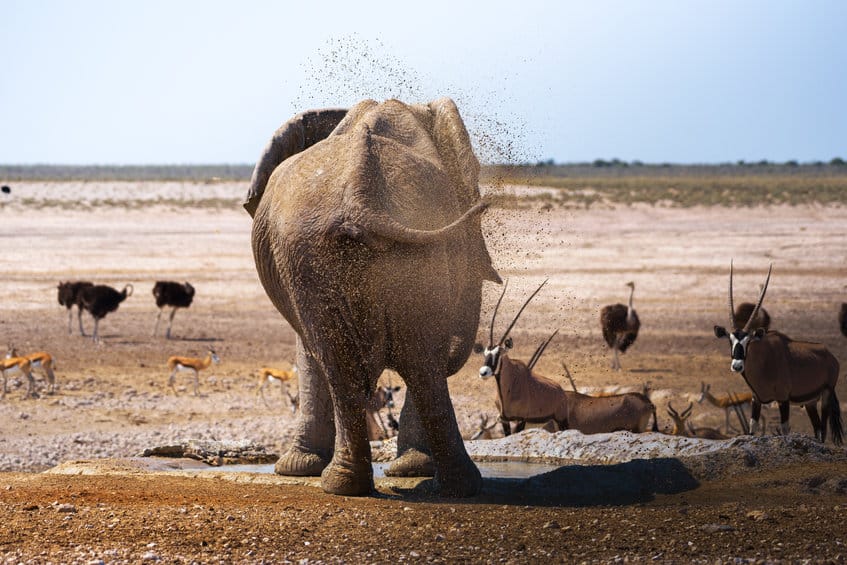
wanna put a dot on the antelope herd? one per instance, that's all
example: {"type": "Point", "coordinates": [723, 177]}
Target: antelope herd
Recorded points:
{"type": "Point", "coordinates": [774, 367]}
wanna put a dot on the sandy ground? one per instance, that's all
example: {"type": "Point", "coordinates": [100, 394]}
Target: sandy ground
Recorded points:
{"type": "Point", "coordinates": [112, 399]}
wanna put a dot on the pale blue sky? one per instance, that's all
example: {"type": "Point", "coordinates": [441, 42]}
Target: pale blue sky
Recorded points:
{"type": "Point", "coordinates": [169, 82]}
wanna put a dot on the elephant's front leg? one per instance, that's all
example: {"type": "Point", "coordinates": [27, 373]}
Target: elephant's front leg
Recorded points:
{"type": "Point", "coordinates": [313, 442]}
{"type": "Point", "coordinates": [455, 473]}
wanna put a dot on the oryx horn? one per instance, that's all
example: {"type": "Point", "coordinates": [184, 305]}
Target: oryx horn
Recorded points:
{"type": "Point", "coordinates": [518, 315]}
{"type": "Point", "coordinates": [494, 315]}
{"type": "Point", "coordinates": [731, 308]}
{"type": "Point", "coordinates": [540, 351]}
{"type": "Point", "coordinates": [759, 303]}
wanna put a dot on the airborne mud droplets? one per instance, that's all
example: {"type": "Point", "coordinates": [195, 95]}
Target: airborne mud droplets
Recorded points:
{"type": "Point", "coordinates": [350, 68]}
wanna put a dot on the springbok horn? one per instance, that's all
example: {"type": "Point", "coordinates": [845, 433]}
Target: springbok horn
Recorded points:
{"type": "Point", "coordinates": [494, 315]}
{"type": "Point", "coordinates": [687, 411]}
{"type": "Point", "coordinates": [731, 308]}
{"type": "Point", "coordinates": [759, 303]}
{"type": "Point", "coordinates": [671, 410]}
{"type": "Point", "coordinates": [531, 296]}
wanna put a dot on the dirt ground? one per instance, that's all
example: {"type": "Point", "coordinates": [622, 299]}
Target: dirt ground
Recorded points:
{"type": "Point", "coordinates": [112, 399]}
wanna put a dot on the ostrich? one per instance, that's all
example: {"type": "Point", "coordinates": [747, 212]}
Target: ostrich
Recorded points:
{"type": "Point", "coordinates": [742, 314]}
{"type": "Point", "coordinates": [174, 294]}
{"type": "Point", "coordinates": [70, 296]}
{"type": "Point", "coordinates": [620, 326]}
{"type": "Point", "coordinates": [98, 300]}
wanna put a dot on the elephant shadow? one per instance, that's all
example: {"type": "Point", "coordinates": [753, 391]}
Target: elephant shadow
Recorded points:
{"type": "Point", "coordinates": [620, 484]}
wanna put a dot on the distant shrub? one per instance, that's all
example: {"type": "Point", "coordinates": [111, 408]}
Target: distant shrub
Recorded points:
{"type": "Point", "coordinates": [838, 162]}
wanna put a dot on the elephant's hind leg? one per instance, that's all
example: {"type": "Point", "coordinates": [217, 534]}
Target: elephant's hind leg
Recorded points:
{"type": "Point", "coordinates": [350, 472]}
{"type": "Point", "coordinates": [414, 458]}
{"type": "Point", "coordinates": [455, 473]}
{"type": "Point", "coordinates": [313, 442]}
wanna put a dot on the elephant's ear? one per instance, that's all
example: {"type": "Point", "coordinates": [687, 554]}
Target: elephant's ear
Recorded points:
{"type": "Point", "coordinates": [296, 135]}
{"type": "Point", "coordinates": [454, 146]}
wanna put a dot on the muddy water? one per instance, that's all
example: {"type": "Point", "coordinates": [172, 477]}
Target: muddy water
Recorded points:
{"type": "Point", "coordinates": [489, 469]}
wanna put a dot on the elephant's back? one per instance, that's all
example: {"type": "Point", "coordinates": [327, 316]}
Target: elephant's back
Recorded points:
{"type": "Point", "coordinates": [338, 178]}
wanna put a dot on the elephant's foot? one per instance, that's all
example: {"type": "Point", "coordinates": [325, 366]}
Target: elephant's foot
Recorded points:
{"type": "Point", "coordinates": [346, 481]}
{"type": "Point", "coordinates": [412, 463]}
{"type": "Point", "coordinates": [459, 481]}
{"type": "Point", "coordinates": [300, 464]}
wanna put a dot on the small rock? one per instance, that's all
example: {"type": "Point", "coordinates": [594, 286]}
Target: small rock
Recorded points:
{"type": "Point", "coordinates": [70, 508]}
{"type": "Point", "coordinates": [149, 556]}
{"type": "Point", "coordinates": [714, 528]}
{"type": "Point", "coordinates": [552, 524]}
{"type": "Point", "coordinates": [439, 537]}
{"type": "Point", "coordinates": [758, 515]}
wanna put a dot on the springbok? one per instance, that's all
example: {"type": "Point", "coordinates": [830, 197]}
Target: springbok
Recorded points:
{"type": "Point", "coordinates": [682, 427]}
{"type": "Point", "coordinates": [269, 375]}
{"type": "Point", "coordinates": [728, 402]}
{"type": "Point", "coordinates": [40, 360]}
{"type": "Point", "coordinates": [383, 397]}
{"type": "Point", "coordinates": [780, 369]}
{"type": "Point", "coordinates": [194, 364]}
{"type": "Point", "coordinates": [524, 396]}
{"type": "Point", "coordinates": [294, 401]}
{"type": "Point", "coordinates": [483, 430]}
{"type": "Point", "coordinates": [22, 365]}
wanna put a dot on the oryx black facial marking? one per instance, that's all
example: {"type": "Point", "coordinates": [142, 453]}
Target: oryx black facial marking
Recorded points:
{"type": "Point", "coordinates": [739, 340]}
{"type": "Point", "coordinates": [491, 356]}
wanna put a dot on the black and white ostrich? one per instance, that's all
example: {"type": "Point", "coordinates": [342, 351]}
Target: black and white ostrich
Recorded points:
{"type": "Point", "coordinates": [173, 294]}
{"type": "Point", "coordinates": [69, 296]}
{"type": "Point", "coordinates": [620, 326]}
{"type": "Point", "coordinates": [743, 312]}
{"type": "Point", "coordinates": [98, 300]}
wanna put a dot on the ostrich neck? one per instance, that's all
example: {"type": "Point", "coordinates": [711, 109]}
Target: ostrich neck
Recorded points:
{"type": "Point", "coordinates": [629, 306]}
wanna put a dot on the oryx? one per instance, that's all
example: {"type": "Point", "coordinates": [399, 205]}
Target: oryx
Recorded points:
{"type": "Point", "coordinates": [524, 396]}
{"type": "Point", "coordinates": [779, 369]}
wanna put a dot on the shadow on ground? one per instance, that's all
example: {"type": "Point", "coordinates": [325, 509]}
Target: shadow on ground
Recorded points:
{"type": "Point", "coordinates": [581, 485]}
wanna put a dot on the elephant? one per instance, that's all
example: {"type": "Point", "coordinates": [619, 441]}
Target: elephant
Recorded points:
{"type": "Point", "coordinates": [367, 238]}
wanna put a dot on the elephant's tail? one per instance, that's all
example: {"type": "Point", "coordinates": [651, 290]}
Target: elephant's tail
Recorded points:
{"type": "Point", "coordinates": [372, 224]}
